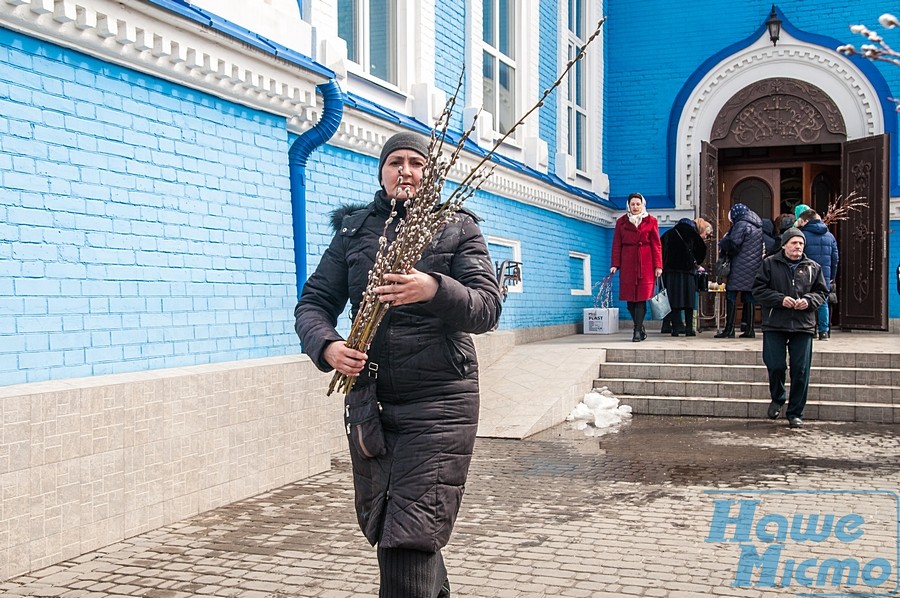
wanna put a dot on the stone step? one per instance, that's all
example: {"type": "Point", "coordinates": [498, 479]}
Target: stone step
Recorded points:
{"type": "Point", "coordinates": [750, 354]}
{"type": "Point", "coordinates": [746, 373]}
{"type": "Point", "coordinates": [756, 409]}
{"type": "Point", "coordinates": [758, 390]}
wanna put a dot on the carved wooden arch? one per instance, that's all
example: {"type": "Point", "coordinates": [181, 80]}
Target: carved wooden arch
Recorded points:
{"type": "Point", "coordinates": [778, 111]}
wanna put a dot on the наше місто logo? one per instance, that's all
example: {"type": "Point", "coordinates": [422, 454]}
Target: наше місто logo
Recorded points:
{"type": "Point", "coordinates": [810, 542]}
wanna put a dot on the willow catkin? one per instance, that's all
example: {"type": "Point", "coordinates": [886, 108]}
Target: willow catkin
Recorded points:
{"type": "Point", "coordinates": [427, 214]}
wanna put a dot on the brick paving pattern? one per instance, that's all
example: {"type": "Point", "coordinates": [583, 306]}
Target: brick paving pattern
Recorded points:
{"type": "Point", "coordinates": [558, 514]}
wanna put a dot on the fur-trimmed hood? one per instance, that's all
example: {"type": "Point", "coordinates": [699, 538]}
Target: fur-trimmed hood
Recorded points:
{"type": "Point", "coordinates": [337, 216]}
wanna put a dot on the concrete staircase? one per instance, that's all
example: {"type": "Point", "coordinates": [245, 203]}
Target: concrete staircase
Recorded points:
{"type": "Point", "coordinates": [844, 386]}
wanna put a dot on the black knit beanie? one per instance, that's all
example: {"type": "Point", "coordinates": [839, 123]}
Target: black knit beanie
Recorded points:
{"type": "Point", "coordinates": [790, 233]}
{"type": "Point", "coordinates": [404, 140]}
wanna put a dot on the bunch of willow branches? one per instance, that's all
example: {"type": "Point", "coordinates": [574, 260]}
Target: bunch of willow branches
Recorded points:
{"type": "Point", "coordinates": [427, 213]}
{"type": "Point", "coordinates": [841, 206]}
{"type": "Point", "coordinates": [878, 49]}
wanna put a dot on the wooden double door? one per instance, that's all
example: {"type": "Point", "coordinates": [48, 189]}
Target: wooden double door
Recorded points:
{"type": "Point", "coordinates": [775, 186]}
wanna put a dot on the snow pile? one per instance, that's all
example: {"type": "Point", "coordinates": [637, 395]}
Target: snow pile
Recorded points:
{"type": "Point", "coordinates": [598, 413]}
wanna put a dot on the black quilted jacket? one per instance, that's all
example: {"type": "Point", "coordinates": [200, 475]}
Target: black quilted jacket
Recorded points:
{"type": "Point", "coordinates": [427, 372]}
{"type": "Point", "coordinates": [744, 244]}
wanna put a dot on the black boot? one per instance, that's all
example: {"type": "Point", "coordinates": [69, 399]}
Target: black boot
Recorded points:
{"type": "Point", "coordinates": [677, 325]}
{"type": "Point", "coordinates": [749, 331]}
{"type": "Point", "coordinates": [445, 590]}
{"type": "Point", "coordinates": [728, 331]}
{"type": "Point", "coordinates": [689, 322]}
{"type": "Point", "coordinates": [666, 325]}
{"type": "Point", "coordinates": [636, 336]}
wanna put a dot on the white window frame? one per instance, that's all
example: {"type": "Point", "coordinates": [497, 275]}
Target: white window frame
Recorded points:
{"type": "Point", "coordinates": [362, 33]}
{"type": "Point", "coordinates": [516, 247]}
{"type": "Point", "coordinates": [527, 49]}
{"type": "Point", "coordinates": [589, 175]}
{"type": "Point", "coordinates": [578, 75]}
{"type": "Point", "coordinates": [585, 258]}
{"type": "Point", "coordinates": [499, 60]}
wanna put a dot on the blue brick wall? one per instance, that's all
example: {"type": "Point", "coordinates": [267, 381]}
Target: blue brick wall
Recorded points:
{"type": "Point", "coordinates": [551, 64]}
{"type": "Point", "coordinates": [546, 237]}
{"type": "Point", "coordinates": [648, 63]}
{"type": "Point", "coordinates": [144, 224]}
{"type": "Point", "coordinates": [450, 50]}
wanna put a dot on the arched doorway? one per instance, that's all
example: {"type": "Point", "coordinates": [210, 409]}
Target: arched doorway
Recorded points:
{"type": "Point", "coordinates": [780, 142]}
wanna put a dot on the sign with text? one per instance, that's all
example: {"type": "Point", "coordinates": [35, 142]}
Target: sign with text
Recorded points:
{"type": "Point", "coordinates": [810, 542]}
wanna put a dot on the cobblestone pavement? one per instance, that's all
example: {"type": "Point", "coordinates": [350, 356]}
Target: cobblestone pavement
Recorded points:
{"type": "Point", "coordinates": [561, 514]}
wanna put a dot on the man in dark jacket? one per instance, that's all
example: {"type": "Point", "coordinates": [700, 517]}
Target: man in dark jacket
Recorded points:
{"type": "Point", "coordinates": [789, 288]}
{"type": "Point", "coordinates": [821, 247]}
{"type": "Point", "coordinates": [421, 363]}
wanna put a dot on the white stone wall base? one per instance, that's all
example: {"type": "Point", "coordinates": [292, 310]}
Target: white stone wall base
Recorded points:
{"type": "Point", "coordinates": [88, 462]}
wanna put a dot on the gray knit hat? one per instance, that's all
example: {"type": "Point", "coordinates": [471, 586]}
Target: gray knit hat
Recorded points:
{"type": "Point", "coordinates": [790, 233]}
{"type": "Point", "coordinates": [405, 140]}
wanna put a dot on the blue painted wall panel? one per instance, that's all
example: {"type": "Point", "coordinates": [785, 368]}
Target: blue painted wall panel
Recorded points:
{"type": "Point", "coordinates": [450, 51]}
{"type": "Point", "coordinates": [130, 241]}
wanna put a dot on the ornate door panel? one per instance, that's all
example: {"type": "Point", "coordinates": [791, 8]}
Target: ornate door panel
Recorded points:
{"type": "Point", "coordinates": [863, 270]}
{"type": "Point", "coordinates": [709, 194]}
{"type": "Point", "coordinates": [709, 211]}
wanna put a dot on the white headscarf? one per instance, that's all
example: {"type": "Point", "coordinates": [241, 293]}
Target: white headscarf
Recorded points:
{"type": "Point", "coordinates": [636, 219]}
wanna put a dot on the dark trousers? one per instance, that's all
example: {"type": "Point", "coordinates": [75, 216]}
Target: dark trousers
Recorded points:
{"type": "Point", "coordinates": [777, 346]}
{"type": "Point", "coordinates": [409, 573]}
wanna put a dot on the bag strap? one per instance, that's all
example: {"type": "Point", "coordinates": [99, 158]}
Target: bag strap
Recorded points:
{"type": "Point", "coordinates": [686, 246]}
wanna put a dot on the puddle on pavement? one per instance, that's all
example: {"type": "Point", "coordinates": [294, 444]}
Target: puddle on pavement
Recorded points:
{"type": "Point", "coordinates": [709, 451]}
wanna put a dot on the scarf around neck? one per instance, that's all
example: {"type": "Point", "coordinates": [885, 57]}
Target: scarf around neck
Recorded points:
{"type": "Point", "coordinates": [636, 219]}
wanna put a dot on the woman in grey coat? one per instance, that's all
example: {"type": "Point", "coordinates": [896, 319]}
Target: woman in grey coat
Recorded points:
{"type": "Point", "coordinates": [421, 365]}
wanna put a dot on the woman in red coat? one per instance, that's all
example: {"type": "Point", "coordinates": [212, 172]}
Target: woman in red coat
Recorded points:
{"type": "Point", "coordinates": [637, 253]}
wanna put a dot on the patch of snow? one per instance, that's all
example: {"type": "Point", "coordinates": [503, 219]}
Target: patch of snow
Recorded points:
{"type": "Point", "coordinates": [599, 413]}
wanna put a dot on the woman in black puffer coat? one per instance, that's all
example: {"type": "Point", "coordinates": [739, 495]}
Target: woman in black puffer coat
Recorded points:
{"type": "Point", "coordinates": [683, 252]}
{"type": "Point", "coordinates": [422, 363]}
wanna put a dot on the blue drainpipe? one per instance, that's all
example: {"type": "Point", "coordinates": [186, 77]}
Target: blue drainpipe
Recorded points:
{"type": "Point", "coordinates": [298, 156]}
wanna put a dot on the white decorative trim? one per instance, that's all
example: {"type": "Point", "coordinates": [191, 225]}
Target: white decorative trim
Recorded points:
{"type": "Point", "coordinates": [153, 41]}
{"type": "Point", "coordinates": [828, 70]}
{"type": "Point", "coordinates": [362, 133]}
{"type": "Point", "coordinates": [894, 209]}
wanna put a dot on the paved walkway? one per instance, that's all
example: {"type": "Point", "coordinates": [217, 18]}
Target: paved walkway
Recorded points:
{"type": "Point", "coordinates": [662, 507]}
{"type": "Point", "coordinates": [560, 514]}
